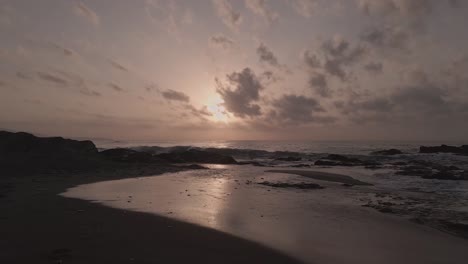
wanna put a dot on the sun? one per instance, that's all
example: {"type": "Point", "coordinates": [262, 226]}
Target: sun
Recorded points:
{"type": "Point", "coordinates": [217, 110]}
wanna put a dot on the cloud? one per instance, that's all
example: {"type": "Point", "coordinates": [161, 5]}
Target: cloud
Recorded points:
{"type": "Point", "coordinates": [231, 18]}
{"type": "Point", "coordinates": [259, 7]}
{"type": "Point", "coordinates": [222, 41]}
{"type": "Point", "coordinates": [298, 109]}
{"type": "Point", "coordinates": [409, 8]}
{"type": "Point", "coordinates": [24, 76]}
{"type": "Point", "coordinates": [116, 87]}
{"type": "Point", "coordinates": [374, 67]}
{"type": "Point", "coordinates": [266, 55]}
{"type": "Point", "coordinates": [339, 54]}
{"type": "Point", "coordinates": [117, 65]}
{"type": "Point", "coordinates": [201, 113]}
{"type": "Point", "coordinates": [318, 82]}
{"type": "Point", "coordinates": [65, 51]}
{"type": "Point", "coordinates": [49, 77]}
{"type": "Point", "coordinates": [387, 38]}
{"type": "Point", "coordinates": [305, 8]}
{"type": "Point", "coordinates": [152, 87]}
{"type": "Point", "coordinates": [241, 93]}
{"type": "Point", "coordinates": [87, 13]}
{"type": "Point", "coordinates": [175, 96]}
{"type": "Point", "coordinates": [66, 79]}
{"type": "Point", "coordinates": [168, 15]}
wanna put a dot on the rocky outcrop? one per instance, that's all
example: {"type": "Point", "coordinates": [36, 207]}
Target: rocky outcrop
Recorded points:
{"type": "Point", "coordinates": [128, 155]}
{"type": "Point", "coordinates": [196, 156]}
{"type": "Point", "coordinates": [26, 152]}
{"type": "Point", "coordinates": [445, 149]}
{"type": "Point", "coordinates": [387, 152]}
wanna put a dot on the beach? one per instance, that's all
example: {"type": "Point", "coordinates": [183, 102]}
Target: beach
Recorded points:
{"type": "Point", "coordinates": [39, 226]}
{"type": "Point", "coordinates": [65, 201]}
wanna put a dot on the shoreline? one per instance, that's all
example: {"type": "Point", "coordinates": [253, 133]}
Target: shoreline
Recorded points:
{"type": "Point", "coordinates": [40, 226]}
{"type": "Point", "coordinates": [334, 225]}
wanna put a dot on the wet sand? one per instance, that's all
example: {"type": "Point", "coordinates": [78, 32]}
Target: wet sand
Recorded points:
{"type": "Point", "coordinates": [39, 226]}
{"type": "Point", "coordinates": [324, 176]}
{"type": "Point", "coordinates": [316, 226]}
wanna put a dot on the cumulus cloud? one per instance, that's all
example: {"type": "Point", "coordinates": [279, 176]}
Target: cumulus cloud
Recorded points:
{"type": "Point", "coordinates": [82, 10]}
{"type": "Point", "coordinates": [298, 109]}
{"type": "Point", "coordinates": [231, 18]}
{"type": "Point", "coordinates": [116, 87]}
{"type": "Point", "coordinates": [259, 7]}
{"type": "Point", "coordinates": [173, 95]}
{"type": "Point", "coordinates": [241, 93]}
{"type": "Point", "coordinates": [222, 41]}
{"type": "Point", "coordinates": [318, 82]}
{"type": "Point", "coordinates": [374, 67]}
{"type": "Point", "coordinates": [266, 55]}
{"type": "Point", "coordinates": [339, 54]}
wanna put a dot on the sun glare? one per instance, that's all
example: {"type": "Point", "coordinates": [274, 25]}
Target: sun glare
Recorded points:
{"type": "Point", "coordinates": [217, 109]}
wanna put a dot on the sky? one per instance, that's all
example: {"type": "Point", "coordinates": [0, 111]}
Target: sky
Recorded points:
{"type": "Point", "coordinates": [235, 69]}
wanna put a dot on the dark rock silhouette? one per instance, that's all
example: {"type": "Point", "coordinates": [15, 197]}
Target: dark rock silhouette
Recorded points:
{"type": "Point", "coordinates": [197, 156]}
{"type": "Point", "coordinates": [128, 155]}
{"type": "Point", "coordinates": [26, 152]}
{"type": "Point", "coordinates": [340, 160]}
{"type": "Point", "coordinates": [387, 152]}
{"type": "Point", "coordinates": [289, 159]}
{"type": "Point", "coordinates": [444, 149]}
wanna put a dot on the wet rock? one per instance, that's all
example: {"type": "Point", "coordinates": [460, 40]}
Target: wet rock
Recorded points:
{"type": "Point", "coordinates": [387, 152]}
{"type": "Point", "coordinates": [196, 167]}
{"type": "Point", "coordinates": [127, 155]}
{"type": "Point", "coordinates": [415, 171]}
{"type": "Point", "coordinates": [340, 160]}
{"type": "Point", "coordinates": [301, 185]}
{"type": "Point", "coordinates": [289, 159]}
{"type": "Point", "coordinates": [300, 166]}
{"type": "Point", "coordinates": [444, 149]}
{"type": "Point", "coordinates": [448, 175]}
{"type": "Point", "coordinates": [197, 156]}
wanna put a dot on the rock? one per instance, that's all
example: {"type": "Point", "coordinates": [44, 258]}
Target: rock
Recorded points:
{"type": "Point", "coordinates": [301, 185]}
{"type": "Point", "coordinates": [300, 166]}
{"type": "Point", "coordinates": [289, 159]}
{"type": "Point", "coordinates": [340, 160]}
{"type": "Point", "coordinates": [127, 155]}
{"type": "Point", "coordinates": [447, 175]}
{"type": "Point", "coordinates": [197, 156]}
{"type": "Point", "coordinates": [386, 210]}
{"type": "Point", "coordinates": [387, 152]}
{"type": "Point", "coordinates": [415, 171]}
{"type": "Point", "coordinates": [444, 149]}
{"type": "Point", "coordinates": [26, 152]}
{"type": "Point", "coordinates": [196, 167]}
